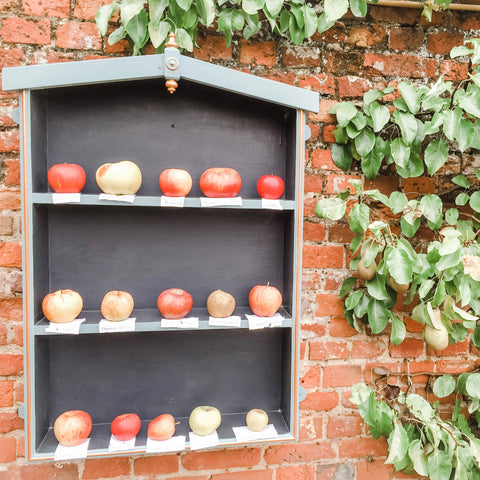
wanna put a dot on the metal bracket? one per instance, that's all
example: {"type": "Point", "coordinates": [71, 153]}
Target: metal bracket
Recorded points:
{"type": "Point", "coordinates": [21, 411]}
{"type": "Point", "coordinates": [302, 394]}
{"type": "Point", "coordinates": [16, 115]}
{"type": "Point", "coordinates": [172, 63]}
{"type": "Point", "coordinates": [308, 132]}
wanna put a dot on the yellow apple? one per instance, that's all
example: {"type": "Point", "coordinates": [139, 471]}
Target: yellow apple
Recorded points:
{"type": "Point", "coordinates": [204, 420]}
{"type": "Point", "coordinates": [256, 419]}
{"type": "Point", "coordinates": [117, 305]}
{"type": "Point", "coordinates": [62, 306]}
{"type": "Point", "coordinates": [121, 178]}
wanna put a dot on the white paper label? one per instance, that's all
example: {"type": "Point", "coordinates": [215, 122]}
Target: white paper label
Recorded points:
{"type": "Point", "coordinates": [66, 198]}
{"type": "Point", "coordinates": [172, 201]}
{"type": "Point", "coordinates": [189, 322]}
{"type": "Point", "coordinates": [233, 321]}
{"type": "Point", "coordinates": [255, 323]}
{"type": "Point", "coordinates": [203, 441]}
{"type": "Point", "coordinates": [117, 198]}
{"type": "Point", "coordinates": [106, 326]}
{"type": "Point", "coordinates": [70, 328]}
{"type": "Point", "coordinates": [174, 444]}
{"type": "Point", "coordinates": [116, 445]}
{"type": "Point", "coordinates": [271, 204]}
{"type": "Point", "coordinates": [244, 434]}
{"type": "Point", "coordinates": [216, 202]}
{"type": "Point", "coordinates": [70, 453]}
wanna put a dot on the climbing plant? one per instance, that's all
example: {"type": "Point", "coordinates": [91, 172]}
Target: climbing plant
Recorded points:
{"type": "Point", "coordinates": [141, 21]}
{"type": "Point", "coordinates": [410, 131]}
{"type": "Point", "coordinates": [420, 439]}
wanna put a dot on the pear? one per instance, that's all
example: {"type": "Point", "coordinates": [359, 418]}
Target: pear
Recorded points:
{"type": "Point", "coordinates": [437, 339]}
{"type": "Point", "coordinates": [367, 273]}
{"type": "Point", "coordinates": [401, 288]}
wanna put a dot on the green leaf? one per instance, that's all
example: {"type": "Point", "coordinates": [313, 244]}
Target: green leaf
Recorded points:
{"type": "Point", "coordinates": [425, 287]}
{"type": "Point", "coordinates": [451, 120]}
{"type": "Point", "coordinates": [238, 21]}
{"type": "Point", "coordinates": [252, 6]}
{"type": "Point", "coordinates": [399, 265]}
{"type": "Point", "coordinates": [274, 6]}
{"type": "Point", "coordinates": [460, 51]}
{"type": "Point", "coordinates": [310, 20]}
{"type": "Point", "coordinates": [419, 407]}
{"type": "Point", "coordinates": [376, 195]}
{"type": "Point", "coordinates": [365, 142]}
{"type": "Point", "coordinates": [472, 385]}
{"type": "Point", "coordinates": [158, 32]}
{"type": "Point", "coordinates": [376, 288]}
{"type": "Point", "coordinates": [380, 116]}
{"type": "Point", "coordinates": [252, 27]}
{"type": "Point", "coordinates": [345, 111]}
{"type": "Point", "coordinates": [436, 155]}
{"type": "Point", "coordinates": [359, 218]}
{"type": "Point", "coordinates": [462, 199]}
{"type": "Point", "coordinates": [129, 10]}
{"type": "Point", "coordinates": [156, 9]}
{"type": "Point", "coordinates": [117, 35]}
{"type": "Point", "coordinates": [354, 299]}
{"type": "Point", "coordinates": [439, 465]}
{"type": "Point", "coordinates": [470, 102]}
{"type": "Point", "coordinates": [464, 135]}
{"type": "Point", "coordinates": [332, 208]}
{"type": "Point", "coordinates": [476, 336]}
{"type": "Point", "coordinates": [347, 285]}
{"type": "Point", "coordinates": [475, 201]}
{"type": "Point", "coordinates": [355, 243]}
{"type": "Point", "coordinates": [341, 156]}
{"type": "Point", "coordinates": [408, 229]}
{"type": "Point", "coordinates": [400, 152]}
{"type": "Point", "coordinates": [432, 207]}
{"type": "Point", "coordinates": [206, 11]}
{"type": "Point", "coordinates": [411, 95]}
{"type": "Point", "coordinates": [419, 460]}
{"type": "Point", "coordinates": [398, 201]}
{"type": "Point", "coordinates": [461, 180]}
{"type": "Point", "coordinates": [184, 40]}
{"type": "Point", "coordinates": [323, 24]}
{"type": "Point", "coordinates": [372, 162]}
{"type": "Point", "coordinates": [398, 444]}
{"type": "Point", "coordinates": [184, 4]}
{"type": "Point", "coordinates": [358, 7]}
{"type": "Point", "coordinates": [398, 330]}
{"type": "Point", "coordinates": [377, 315]}
{"type": "Point", "coordinates": [137, 29]}
{"type": "Point", "coordinates": [444, 386]}
{"type": "Point", "coordinates": [103, 15]}
{"type": "Point", "coordinates": [370, 96]}
{"type": "Point", "coordinates": [408, 125]}
{"type": "Point", "coordinates": [335, 9]}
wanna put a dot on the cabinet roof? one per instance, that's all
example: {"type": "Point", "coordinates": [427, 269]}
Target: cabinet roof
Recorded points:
{"type": "Point", "coordinates": [157, 66]}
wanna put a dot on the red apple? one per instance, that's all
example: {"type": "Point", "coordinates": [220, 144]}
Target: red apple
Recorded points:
{"type": "Point", "coordinates": [175, 182]}
{"type": "Point", "coordinates": [62, 306]}
{"type": "Point", "coordinates": [270, 187]}
{"type": "Point", "coordinates": [220, 182]}
{"type": "Point", "coordinates": [126, 426]}
{"type": "Point", "coordinates": [117, 305]}
{"type": "Point", "coordinates": [72, 427]}
{"type": "Point", "coordinates": [174, 303]}
{"type": "Point", "coordinates": [161, 427]}
{"type": "Point", "coordinates": [264, 300]}
{"type": "Point", "coordinates": [66, 178]}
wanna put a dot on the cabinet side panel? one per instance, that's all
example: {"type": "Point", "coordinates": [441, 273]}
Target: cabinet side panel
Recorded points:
{"type": "Point", "coordinates": [39, 127]}
{"type": "Point", "coordinates": [42, 388]}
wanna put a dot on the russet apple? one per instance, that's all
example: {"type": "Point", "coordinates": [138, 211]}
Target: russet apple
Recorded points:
{"type": "Point", "coordinates": [204, 420]}
{"type": "Point", "coordinates": [117, 305]}
{"type": "Point", "coordinates": [62, 306]}
{"type": "Point", "coordinates": [72, 428]}
{"type": "Point", "coordinates": [220, 304]}
{"type": "Point", "coordinates": [175, 182]}
{"type": "Point", "coordinates": [265, 300]}
{"type": "Point", "coordinates": [174, 303]}
{"type": "Point", "coordinates": [126, 426]}
{"type": "Point", "coordinates": [256, 419]}
{"type": "Point", "coordinates": [121, 178]}
{"type": "Point", "coordinates": [162, 427]}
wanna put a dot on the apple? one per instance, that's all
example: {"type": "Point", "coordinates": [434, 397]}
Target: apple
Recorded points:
{"type": "Point", "coordinates": [175, 182]}
{"type": "Point", "coordinates": [264, 300]}
{"type": "Point", "coordinates": [174, 303]}
{"type": "Point", "coordinates": [220, 182]}
{"type": "Point", "coordinates": [66, 178]}
{"type": "Point", "coordinates": [161, 427]}
{"type": "Point", "coordinates": [121, 178]}
{"type": "Point", "coordinates": [126, 426]}
{"type": "Point", "coordinates": [72, 428]}
{"type": "Point", "coordinates": [270, 186]}
{"type": "Point", "coordinates": [117, 305]}
{"type": "Point", "coordinates": [256, 419]}
{"type": "Point", "coordinates": [204, 420]}
{"type": "Point", "coordinates": [220, 304]}
{"type": "Point", "coordinates": [62, 306]}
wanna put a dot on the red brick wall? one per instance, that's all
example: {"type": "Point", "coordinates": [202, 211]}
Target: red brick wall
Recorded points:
{"type": "Point", "coordinates": [342, 63]}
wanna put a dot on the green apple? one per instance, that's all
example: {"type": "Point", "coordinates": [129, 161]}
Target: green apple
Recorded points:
{"type": "Point", "coordinates": [204, 420]}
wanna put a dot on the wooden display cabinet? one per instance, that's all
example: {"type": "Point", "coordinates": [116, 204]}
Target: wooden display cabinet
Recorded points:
{"type": "Point", "coordinates": [109, 110]}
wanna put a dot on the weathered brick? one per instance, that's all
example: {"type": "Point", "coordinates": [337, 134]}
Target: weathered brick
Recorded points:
{"type": "Point", "coordinates": [366, 36]}
{"type": "Point", "coordinates": [10, 422]}
{"type": "Point", "coordinates": [454, 71]}
{"type": "Point", "coordinates": [20, 30]}
{"type": "Point", "coordinates": [9, 139]}
{"type": "Point", "coordinates": [51, 8]}
{"type": "Point", "coordinates": [320, 401]}
{"type": "Point", "coordinates": [6, 225]}
{"type": "Point", "coordinates": [409, 348]}
{"type": "Point", "coordinates": [443, 42]}
{"type": "Point", "coordinates": [402, 16]}
{"type": "Point", "coordinates": [341, 375]}
{"type": "Point", "coordinates": [313, 232]}
{"type": "Point", "coordinates": [87, 9]}
{"type": "Point", "coordinates": [328, 350]}
{"type": "Point", "coordinates": [156, 465]}
{"type": "Point", "coordinates": [246, 475]}
{"type": "Point", "coordinates": [10, 200]}
{"type": "Point", "coordinates": [339, 327]}
{"type": "Point", "coordinates": [418, 185]}
{"type": "Point", "coordinates": [328, 135]}
{"type": "Point", "coordinates": [303, 56]}
{"type": "Point", "coordinates": [11, 364]}
{"type": "Point", "coordinates": [319, 83]}
{"type": "Point", "coordinates": [403, 39]}
{"type": "Point", "coordinates": [322, 256]}
{"type": "Point", "coordinates": [258, 53]}
{"type": "Point", "coordinates": [339, 183]}
{"type": "Point", "coordinates": [298, 453]}
{"type": "Point", "coordinates": [11, 309]}
{"type": "Point", "coordinates": [41, 471]}
{"type": "Point", "coordinates": [363, 349]}
{"type": "Point", "coordinates": [212, 48]}
{"type": "Point", "coordinates": [10, 254]}
{"type": "Point", "coordinates": [297, 472]}
{"type": "Point", "coordinates": [340, 233]}
{"type": "Point", "coordinates": [454, 366]}
{"type": "Point", "coordinates": [78, 35]}
{"type": "Point", "coordinates": [6, 393]}
{"type": "Point", "coordinates": [12, 171]}
{"type": "Point", "coordinates": [373, 469]}
{"type": "Point", "coordinates": [362, 447]}
{"type": "Point", "coordinates": [105, 467]}
{"type": "Point", "coordinates": [8, 449]}
{"type": "Point", "coordinates": [243, 457]}
{"type": "Point", "coordinates": [344, 426]}
{"type": "Point", "coordinates": [322, 159]}
{"type": "Point", "coordinates": [350, 86]}
{"type": "Point", "coordinates": [328, 304]}
{"type": "Point", "coordinates": [402, 65]}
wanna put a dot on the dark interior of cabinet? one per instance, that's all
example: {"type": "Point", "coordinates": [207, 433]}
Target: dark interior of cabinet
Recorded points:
{"type": "Point", "coordinates": [196, 128]}
{"type": "Point", "coordinates": [146, 250]}
{"type": "Point", "coordinates": [162, 372]}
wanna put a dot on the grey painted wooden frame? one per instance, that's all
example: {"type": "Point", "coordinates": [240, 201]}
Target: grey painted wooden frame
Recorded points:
{"type": "Point", "coordinates": [38, 213]}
